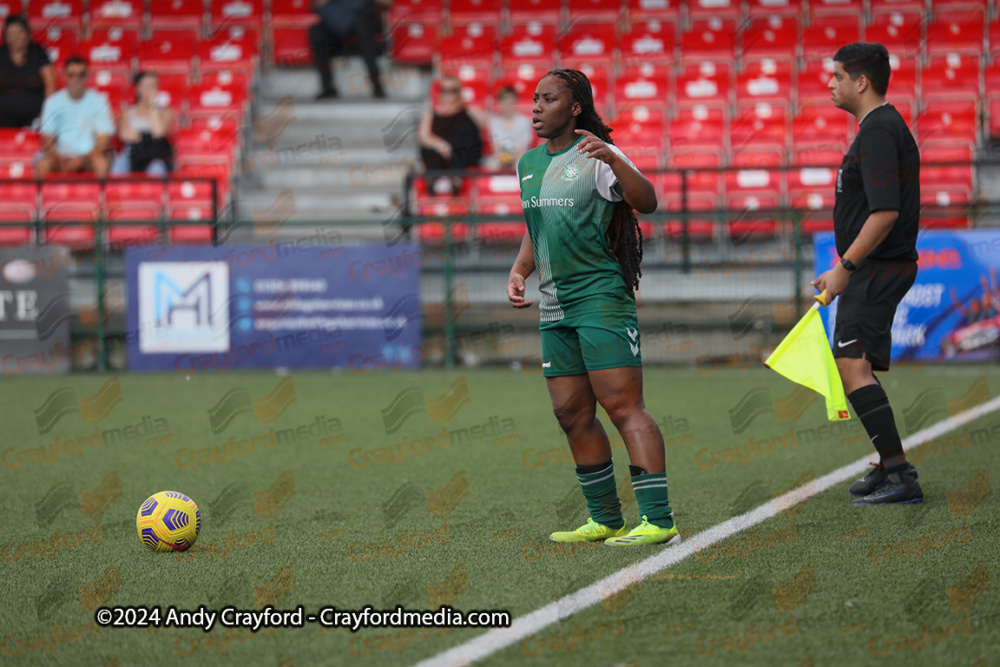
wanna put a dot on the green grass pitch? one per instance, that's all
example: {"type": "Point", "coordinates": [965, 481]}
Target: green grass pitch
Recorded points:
{"type": "Point", "coordinates": [307, 500]}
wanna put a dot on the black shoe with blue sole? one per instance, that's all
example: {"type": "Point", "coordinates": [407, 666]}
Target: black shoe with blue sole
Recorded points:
{"type": "Point", "coordinates": [900, 486]}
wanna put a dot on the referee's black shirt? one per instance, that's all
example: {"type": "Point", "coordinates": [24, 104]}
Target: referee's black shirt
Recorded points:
{"type": "Point", "coordinates": [881, 171]}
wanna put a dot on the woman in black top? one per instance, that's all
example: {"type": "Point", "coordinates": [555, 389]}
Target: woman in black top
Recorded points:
{"type": "Point", "coordinates": [450, 134]}
{"type": "Point", "coordinates": [26, 75]}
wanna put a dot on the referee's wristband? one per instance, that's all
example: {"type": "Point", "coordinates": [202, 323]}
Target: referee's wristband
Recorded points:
{"type": "Point", "coordinates": [848, 264]}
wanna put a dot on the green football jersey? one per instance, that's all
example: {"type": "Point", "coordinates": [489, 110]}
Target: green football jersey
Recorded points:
{"type": "Point", "coordinates": [568, 200]}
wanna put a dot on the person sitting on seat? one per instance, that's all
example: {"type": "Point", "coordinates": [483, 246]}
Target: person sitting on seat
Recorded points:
{"type": "Point", "coordinates": [76, 126]}
{"type": "Point", "coordinates": [143, 129]}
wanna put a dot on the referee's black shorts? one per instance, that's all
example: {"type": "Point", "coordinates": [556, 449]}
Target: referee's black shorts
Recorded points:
{"type": "Point", "coordinates": [866, 309]}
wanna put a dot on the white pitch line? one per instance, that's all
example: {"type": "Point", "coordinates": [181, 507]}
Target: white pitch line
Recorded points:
{"type": "Point", "coordinates": [496, 639]}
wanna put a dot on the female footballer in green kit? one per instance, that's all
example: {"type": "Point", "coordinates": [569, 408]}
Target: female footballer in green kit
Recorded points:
{"type": "Point", "coordinates": [578, 192]}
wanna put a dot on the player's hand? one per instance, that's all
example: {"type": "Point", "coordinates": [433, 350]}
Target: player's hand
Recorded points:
{"type": "Point", "coordinates": [515, 291]}
{"type": "Point", "coordinates": [593, 147]}
{"type": "Point", "coordinates": [833, 282]}
{"type": "Point", "coordinates": [444, 150]}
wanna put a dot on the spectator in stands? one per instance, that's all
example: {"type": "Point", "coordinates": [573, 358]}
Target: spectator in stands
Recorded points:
{"type": "Point", "coordinates": [76, 126]}
{"type": "Point", "coordinates": [340, 19]}
{"type": "Point", "coordinates": [450, 134]}
{"type": "Point", "coordinates": [143, 129]}
{"type": "Point", "coordinates": [26, 75]}
{"type": "Point", "coordinates": [511, 133]}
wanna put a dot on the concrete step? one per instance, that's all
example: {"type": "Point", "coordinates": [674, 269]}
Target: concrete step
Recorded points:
{"type": "Point", "coordinates": [369, 176]}
{"type": "Point", "coordinates": [316, 204]}
{"type": "Point", "coordinates": [310, 135]}
{"type": "Point", "coordinates": [351, 79]}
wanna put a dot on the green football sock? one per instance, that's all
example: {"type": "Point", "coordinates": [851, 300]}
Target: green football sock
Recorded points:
{"type": "Point", "coordinates": [602, 495]}
{"type": "Point", "coordinates": [651, 495]}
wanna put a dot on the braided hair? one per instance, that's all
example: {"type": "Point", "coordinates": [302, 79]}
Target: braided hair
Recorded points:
{"type": "Point", "coordinates": [624, 235]}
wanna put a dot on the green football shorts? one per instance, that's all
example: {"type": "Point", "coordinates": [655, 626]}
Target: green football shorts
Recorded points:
{"type": "Point", "coordinates": [590, 342]}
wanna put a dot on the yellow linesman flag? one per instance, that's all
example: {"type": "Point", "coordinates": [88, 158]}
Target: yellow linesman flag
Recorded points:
{"type": "Point", "coordinates": [805, 357]}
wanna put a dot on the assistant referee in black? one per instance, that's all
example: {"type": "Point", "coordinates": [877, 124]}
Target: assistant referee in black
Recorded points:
{"type": "Point", "coordinates": [875, 222]}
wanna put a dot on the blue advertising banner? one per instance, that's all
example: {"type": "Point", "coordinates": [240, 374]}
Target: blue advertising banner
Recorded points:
{"type": "Point", "coordinates": [194, 309]}
{"type": "Point", "coordinates": [952, 312]}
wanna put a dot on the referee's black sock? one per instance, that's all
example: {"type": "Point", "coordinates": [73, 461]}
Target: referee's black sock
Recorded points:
{"type": "Point", "coordinates": [872, 406]}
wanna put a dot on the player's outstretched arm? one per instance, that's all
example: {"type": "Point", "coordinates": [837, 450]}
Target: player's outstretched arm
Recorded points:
{"type": "Point", "coordinates": [523, 266]}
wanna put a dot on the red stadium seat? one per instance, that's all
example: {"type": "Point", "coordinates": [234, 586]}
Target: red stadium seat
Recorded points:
{"type": "Point", "coordinates": [830, 155]}
{"type": "Point", "coordinates": [115, 34]}
{"type": "Point", "coordinates": [820, 123]}
{"type": "Point", "coordinates": [956, 32]}
{"type": "Point", "coordinates": [413, 41]}
{"type": "Point", "coordinates": [70, 224]}
{"type": "Point", "coordinates": [704, 83]}
{"type": "Point", "coordinates": [699, 228]}
{"type": "Point", "coordinates": [172, 52]}
{"type": "Point", "coordinates": [289, 25]}
{"type": "Point", "coordinates": [936, 172]}
{"type": "Point", "coordinates": [903, 82]}
{"type": "Point", "coordinates": [812, 82]}
{"type": "Point", "coordinates": [937, 206]}
{"type": "Point", "coordinates": [191, 233]}
{"type": "Point", "coordinates": [775, 7]}
{"type": "Point", "coordinates": [523, 11]}
{"type": "Point", "coordinates": [176, 15]}
{"type": "Point", "coordinates": [712, 38]}
{"type": "Point", "coordinates": [471, 10]}
{"type": "Point", "coordinates": [228, 51]}
{"type": "Point", "coordinates": [18, 203]}
{"type": "Point", "coordinates": [652, 40]}
{"type": "Point", "coordinates": [934, 198]}
{"type": "Point", "coordinates": [474, 42]}
{"type": "Point", "coordinates": [120, 234]}
{"type": "Point", "coordinates": [824, 8]}
{"type": "Point", "coordinates": [187, 15]}
{"type": "Point", "coordinates": [588, 42]}
{"type": "Point", "coordinates": [703, 177]}
{"type": "Point", "coordinates": [728, 9]}
{"type": "Point", "coordinates": [10, 8]}
{"type": "Point", "coordinates": [949, 121]}
{"type": "Point", "coordinates": [899, 32]}
{"type": "Point", "coordinates": [499, 195]}
{"type": "Point", "coordinates": [660, 10]}
{"type": "Point", "coordinates": [757, 155]}
{"type": "Point", "coordinates": [812, 189]}
{"type": "Point", "coordinates": [765, 81]}
{"type": "Point", "coordinates": [59, 42]}
{"type": "Point", "coordinates": [994, 37]}
{"type": "Point", "coordinates": [770, 37]}
{"type": "Point", "coordinates": [639, 133]}
{"type": "Point", "coordinates": [762, 184]}
{"type": "Point", "coordinates": [647, 84]}
{"type": "Point", "coordinates": [18, 145]}
{"type": "Point", "coordinates": [416, 10]}
{"type": "Point", "coordinates": [950, 77]}
{"type": "Point", "coordinates": [759, 123]}
{"type": "Point", "coordinates": [116, 14]}
{"type": "Point", "coordinates": [699, 127]}
{"type": "Point", "coordinates": [12, 212]}
{"type": "Point", "coordinates": [432, 233]}
{"type": "Point", "coordinates": [529, 43]}
{"type": "Point", "coordinates": [110, 55]}
{"type": "Point", "coordinates": [249, 13]}
{"type": "Point", "coordinates": [62, 13]}
{"type": "Point", "coordinates": [604, 11]}
{"type": "Point", "coordinates": [882, 6]}
{"type": "Point", "coordinates": [828, 33]}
